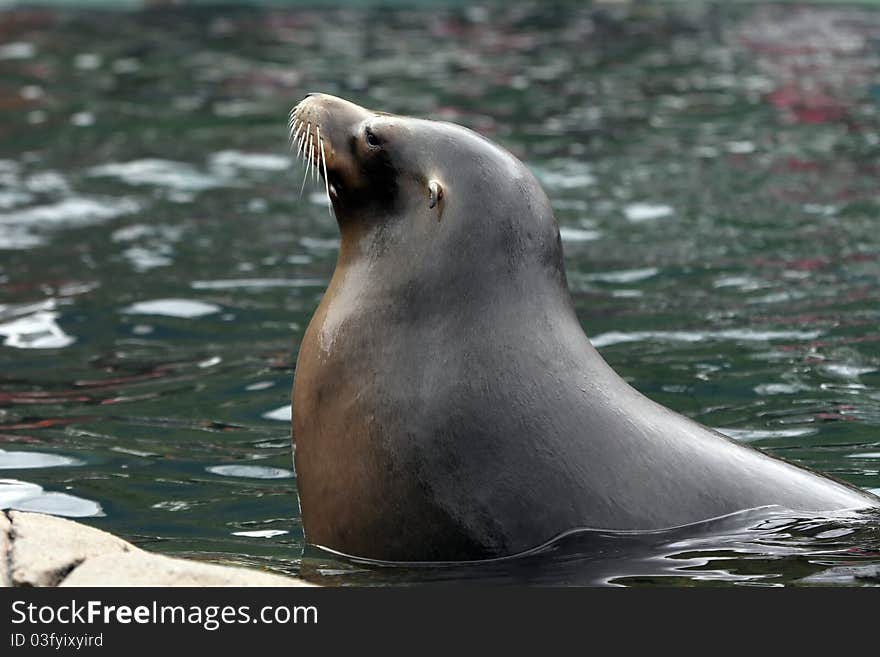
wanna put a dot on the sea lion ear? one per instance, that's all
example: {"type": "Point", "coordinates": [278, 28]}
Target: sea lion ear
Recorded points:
{"type": "Point", "coordinates": [435, 190]}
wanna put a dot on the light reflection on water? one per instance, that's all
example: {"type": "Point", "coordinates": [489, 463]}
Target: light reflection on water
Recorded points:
{"type": "Point", "coordinates": [718, 205]}
{"type": "Point", "coordinates": [25, 496]}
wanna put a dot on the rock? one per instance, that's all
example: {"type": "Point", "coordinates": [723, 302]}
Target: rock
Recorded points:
{"type": "Point", "coordinates": [45, 548]}
{"type": "Point", "coordinates": [845, 576]}
{"type": "Point", "coordinates": [5, 547]}
{"type": "Point", "coordinates": [144, 569]}
{"type": "Point", "coordinates": [41, 550]}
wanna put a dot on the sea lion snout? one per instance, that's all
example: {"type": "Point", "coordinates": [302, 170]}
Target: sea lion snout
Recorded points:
{"type": "Point", "coordinates": [336, 116]}
{"type": "Point", "coordinates": [320, 126]}
{"type": "Point", "coordinates": [340, 142]}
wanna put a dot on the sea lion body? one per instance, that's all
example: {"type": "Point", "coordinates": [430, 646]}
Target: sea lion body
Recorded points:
{"type": "Point", "coordinates": [447, 404]}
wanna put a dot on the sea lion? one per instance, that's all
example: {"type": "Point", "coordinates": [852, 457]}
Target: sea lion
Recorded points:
{"type": "Point", "coordinates": [447, 404]}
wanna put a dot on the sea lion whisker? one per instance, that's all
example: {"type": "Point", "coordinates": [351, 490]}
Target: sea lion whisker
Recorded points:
{"type": "Point", "coordinates": [306, 176]}
{"type": "Point", "coordinates": [314, 157]}
{"type": "Point", "coordinates": [316, 160]}
{"type": "Point", "coordinates": [299, 144]}
{"type": "Point", "coordinates": [294, 135]}
{"type": "Point", "coordinates": [326, 179]}
{"type": "Point", "coordinates": [292, 121]}
{"type": "Point", "coordinates": [303, 186]}
{"type": "Point", "coordinates": [307, 143]}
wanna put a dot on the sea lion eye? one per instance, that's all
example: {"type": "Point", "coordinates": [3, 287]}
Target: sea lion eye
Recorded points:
{"type": "Point", "coordinates": [372, 139]}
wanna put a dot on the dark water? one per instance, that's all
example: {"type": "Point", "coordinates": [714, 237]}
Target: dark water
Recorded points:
{"type": "Point", "coordinates": [714, 171]}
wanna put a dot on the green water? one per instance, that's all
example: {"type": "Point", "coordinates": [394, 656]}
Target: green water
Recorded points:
{"type": "Point", "coordinates": [714, 171]}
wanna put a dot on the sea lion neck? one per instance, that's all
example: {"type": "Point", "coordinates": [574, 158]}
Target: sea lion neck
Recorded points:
{"type": "Point", "coordinates": [403, 287]}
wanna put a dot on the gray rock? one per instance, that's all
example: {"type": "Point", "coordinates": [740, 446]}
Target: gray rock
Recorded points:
{"type": "Point", "coordinates": [145, 569]}
{"type": "Point", "coordinates": [5, 546]}
{"type": "Point", "coordinates": [41, 550]}
{"type": "Point", "coordinates": [45, 548]}
{"type": "Point", "coordinates": [868, 575]}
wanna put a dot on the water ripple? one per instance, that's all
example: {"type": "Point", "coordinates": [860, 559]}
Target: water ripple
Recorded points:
{"type": "Point", "coordinates": [26, 460]}
{"type": "Point", "coordinates": [250, 471]}
{"type": "Point", "coordinates": [182, 308]}
{"type": "Point", "coordinates": [177, 176]}
{"type": "Point", "coordinates": [39, 330]}
{"type": "Point", "coordinates": [25, 496]}
{"type": "Point", "coordinates": [734, 335]}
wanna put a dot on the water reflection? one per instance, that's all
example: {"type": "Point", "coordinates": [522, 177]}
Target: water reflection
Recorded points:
{"type": "Point", "coordinates": [250, 471]}
{"type": "Point", "coordinates": [182, 308]}
{"type": "Point", "coordinates": [763, 547]}
{"type": "Point", "coordinates": [25, 228]}
{"type": "Point", "coordinates": [39, 330]}
{"type": "Point", "coordinates": [24, 496]}
{"type": "Point", "coordinates": [25, 460]}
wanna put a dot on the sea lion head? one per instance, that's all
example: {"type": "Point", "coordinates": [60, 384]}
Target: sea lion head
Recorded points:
{"type": "Point", "coordinates": [436, 202]}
